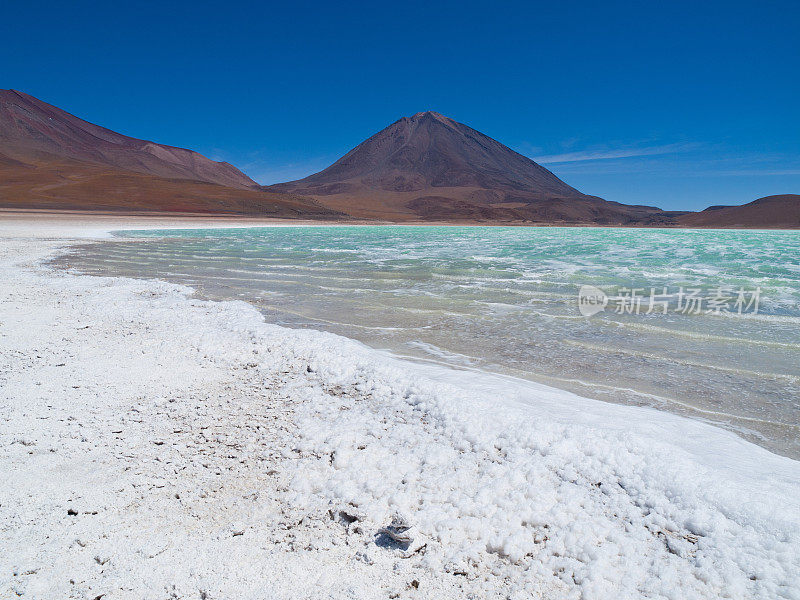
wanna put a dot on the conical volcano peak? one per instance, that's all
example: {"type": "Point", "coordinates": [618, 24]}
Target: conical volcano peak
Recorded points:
{"type": "Point", "coordinates": [431, 167]}
{"type": "Point", "coordinates": [432, 114]}
{"type": "Point", "coordinates": [428, 152]}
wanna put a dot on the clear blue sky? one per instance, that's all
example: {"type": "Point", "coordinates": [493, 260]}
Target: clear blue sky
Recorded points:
{"type": "Point", "coordinates": [680, 104]}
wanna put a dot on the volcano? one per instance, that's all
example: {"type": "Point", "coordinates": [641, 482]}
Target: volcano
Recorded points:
{"type": "Point", "coordinates": [430, 167]}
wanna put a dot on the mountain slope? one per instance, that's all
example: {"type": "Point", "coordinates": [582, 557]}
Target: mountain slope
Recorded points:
{"type": "Point", "coordinates": [72, 185]}
{"type": "Point", "coordinates": [781, 211]}
{"type": "Point", "coordinates": [430, 167]}
{"type": "Point", "coordinates": [32, 131]}
{"type": "Point", "coordinates": [50, 159]}
{"type": "Point", "coordinates": [424, 168]}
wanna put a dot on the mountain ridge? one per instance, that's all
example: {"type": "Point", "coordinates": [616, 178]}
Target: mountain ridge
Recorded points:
{"type": "Point", "coordinates": [53, 160]}
{"type": "Point", "coordinates": [778, 210]}
{"type": "Point", "coordinates": [423, 168]}
{"type": "Point", "coordinates": [32, 131]}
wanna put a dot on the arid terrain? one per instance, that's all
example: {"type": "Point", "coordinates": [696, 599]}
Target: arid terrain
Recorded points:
{"type": "Point", "coordinates": [426, 168]}
{"type": "Point", "coordinates": [782, 210]}
{"type": "Point", "coordinates": [50, 159]}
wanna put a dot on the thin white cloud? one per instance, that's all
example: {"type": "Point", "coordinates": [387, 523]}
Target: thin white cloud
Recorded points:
{"type": "Point", "coordinates": [610, 154]}
{"type": "Point", "coordinates": [754, 172]}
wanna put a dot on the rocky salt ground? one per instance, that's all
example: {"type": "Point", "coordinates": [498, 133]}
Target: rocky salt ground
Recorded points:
{"type": "Point", "coordinates": [153, 446]}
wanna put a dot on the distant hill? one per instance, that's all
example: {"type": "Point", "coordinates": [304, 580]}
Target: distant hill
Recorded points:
{"type": "Point", "coordinates": [780, 211]}
{"type": "Point", "coordinates": [430, 167]}
{"type": "Point", "coordinates": [71, 185]}
{"type": "Point", "coordinates": [34, 131]}
{"type": "Point", "coordinates": [52, 159]}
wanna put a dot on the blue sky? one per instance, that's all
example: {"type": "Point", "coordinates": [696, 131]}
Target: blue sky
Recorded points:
{"type": "Point", "coordinates": [679, 105]}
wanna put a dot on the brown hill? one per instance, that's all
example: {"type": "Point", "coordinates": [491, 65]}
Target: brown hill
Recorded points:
{"type": "Point", "coordinates": [72, 185]}
{"type": "Point", "coordinates": [429, 167]}
{"type": "Point", "coordinates": [50, 159]}
{"type": "Point", "coordinates": [780, 211]}
{"type": "Point", "coordinates": [32, 131]}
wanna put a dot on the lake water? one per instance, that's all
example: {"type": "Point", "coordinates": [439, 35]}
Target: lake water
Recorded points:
{"type": "Point", "coordinates": [720, 343]}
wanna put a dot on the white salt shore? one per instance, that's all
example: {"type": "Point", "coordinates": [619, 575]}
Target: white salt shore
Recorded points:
{"type": "Point", "coordinates": [153, 445]}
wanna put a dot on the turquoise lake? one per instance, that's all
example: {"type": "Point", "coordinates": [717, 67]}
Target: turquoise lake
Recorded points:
{"type": "Point", "coordinates": [721, 343]}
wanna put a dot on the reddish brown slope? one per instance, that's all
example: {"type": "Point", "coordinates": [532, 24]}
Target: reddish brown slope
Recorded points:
{"type": "Point", "coordinates": [72, 185]}
{"type": "Point", "coordinates": [50, 159]}
{"type": "Point", "coordinates": [781, 211]}
{"type": "Point", "coordinates": [433, 168]}
{"type": "Point", "coordinates": [34, 131]}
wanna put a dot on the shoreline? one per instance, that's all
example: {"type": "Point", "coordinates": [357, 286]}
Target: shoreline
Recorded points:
{"type": "Point", "coordinates": [189, 220]}
{"type": "Point", "coordinates": [504, 496]}
{"type": "Point", "coordinates": [776, 434]}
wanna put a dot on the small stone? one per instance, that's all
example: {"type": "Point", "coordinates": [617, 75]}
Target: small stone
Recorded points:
{"type": "Point", "coordinates": [237, 529]}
